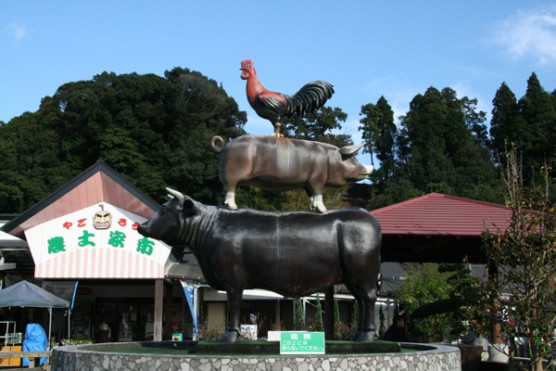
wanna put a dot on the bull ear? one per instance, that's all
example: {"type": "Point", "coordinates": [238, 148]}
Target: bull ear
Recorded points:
{"type": "Point", "coordinates": [351, 150]}
{"type": "Point", "coordinates": [189, 206]}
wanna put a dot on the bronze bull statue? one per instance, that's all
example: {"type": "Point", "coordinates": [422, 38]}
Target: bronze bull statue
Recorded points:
{"type": "Point", "coordinates": [291, 253]}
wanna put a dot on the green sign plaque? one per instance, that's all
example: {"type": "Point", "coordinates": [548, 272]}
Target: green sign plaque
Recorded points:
{"type": "Point", "coordinates": [301, 342]}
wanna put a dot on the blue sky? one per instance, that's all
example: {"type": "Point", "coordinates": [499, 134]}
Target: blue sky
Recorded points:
{"type": "Point", "coordinates": [365, 48]}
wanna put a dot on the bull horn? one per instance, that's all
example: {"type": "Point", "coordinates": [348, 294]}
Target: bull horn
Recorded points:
{"type": "Point", "coordinates": [175, 193]}
{"type": "Point", "coordinates": [351, 150]}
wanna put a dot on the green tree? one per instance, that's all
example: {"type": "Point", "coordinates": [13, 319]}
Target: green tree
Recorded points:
{"type": "Point", "coordinates": [463, 294]}
{"type": "Point", "coordinates": [423, 286]}
{"type": "Point", "coordinates": [442, 146]}
{"type": "Point", "coordinates": [448, 307]}
{"type": "Point", "coordinates": [154, 130]}
{"type": "Point", "coordinates": [397, 189]}
{"type": "Point", "coordinates": [379, 132]}
{"type": "Point", "coordinates": [30, 168]}
{"type": "Point", "coordinates": [318, 126]}
{"type": "Point", "coordinates": [424, 149]}
{"type": "Point", "coordinates": [538, 111]}
{"type": "Point", "coordinates": [506, 124]}
{"type": "Point", "coordinates": [523, 284]}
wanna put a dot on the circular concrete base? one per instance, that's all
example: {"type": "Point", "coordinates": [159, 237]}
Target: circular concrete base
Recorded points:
{"type": "Point", "coordinates": [98, 357]}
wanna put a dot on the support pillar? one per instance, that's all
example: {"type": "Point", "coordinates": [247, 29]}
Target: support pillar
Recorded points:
{"type": "Point", "coordinates": [329, 314]}
{"type": "Point", "coordinates": [278, 322]}
{"type": "Point", "coordinates": [158, 306]}
{"type": "Point", "coordinates": [168, 308]}
{"type": "Point", "coordinates": [492, 273]}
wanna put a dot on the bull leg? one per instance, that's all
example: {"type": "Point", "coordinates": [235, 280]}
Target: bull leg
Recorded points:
{"type": "Point", "coordinates": [365, 325]}
{"type": "Point", "coordinates": [234, 312]}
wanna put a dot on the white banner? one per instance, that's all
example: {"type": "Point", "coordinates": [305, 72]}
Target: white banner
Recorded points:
{"type": "Point", "coordinates": [100, 241]}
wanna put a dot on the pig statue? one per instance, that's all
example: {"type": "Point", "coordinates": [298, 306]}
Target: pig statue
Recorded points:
{"type": "Point", "coordinates": [282, 164]}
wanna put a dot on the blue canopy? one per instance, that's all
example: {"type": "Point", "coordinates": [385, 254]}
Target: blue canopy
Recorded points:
{"type": "Point", "coordinates": [26, 294]}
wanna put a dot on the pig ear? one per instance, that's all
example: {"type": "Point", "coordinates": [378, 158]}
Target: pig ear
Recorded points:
{"type": "Point", "coordinates": [351, 150]}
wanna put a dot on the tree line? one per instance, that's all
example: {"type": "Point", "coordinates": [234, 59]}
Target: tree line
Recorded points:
{"type": "Point", "coordinates": [156, 131]}
{"type": "Point", "coordinates": [443, 144]}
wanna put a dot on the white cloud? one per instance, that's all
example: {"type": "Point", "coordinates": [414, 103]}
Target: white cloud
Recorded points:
{"type": "Point", "coordinates": [530, 33]}
{"type": "Point", "coordinates": [17, 31]}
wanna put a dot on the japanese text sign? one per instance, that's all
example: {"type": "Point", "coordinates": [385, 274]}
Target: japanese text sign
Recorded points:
{"type": "Point", "coordinates": [100, 241]}
{"type": "Point", "coordinates": [292, 342]}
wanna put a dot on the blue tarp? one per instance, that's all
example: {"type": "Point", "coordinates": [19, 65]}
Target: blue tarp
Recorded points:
{"type": "Point", "coordinates": [35, 341]}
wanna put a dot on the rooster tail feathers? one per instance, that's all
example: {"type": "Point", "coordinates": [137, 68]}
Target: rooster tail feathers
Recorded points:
{"type": "Point", "coordinates": [310, 97]}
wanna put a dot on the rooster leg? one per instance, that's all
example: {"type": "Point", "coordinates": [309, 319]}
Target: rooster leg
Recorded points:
{"type": "Point", "coordinates": [277, 126]}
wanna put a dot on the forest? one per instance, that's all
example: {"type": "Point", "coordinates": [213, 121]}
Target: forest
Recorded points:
{"type": "Point", "coordinates": [156, 132]}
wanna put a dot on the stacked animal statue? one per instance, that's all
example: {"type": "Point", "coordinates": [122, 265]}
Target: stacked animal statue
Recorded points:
{"type": "Point", "coordinates": [273, 106]}
{"type": "Point", "coordinates": [292, 253]}
{"type": "Point", "coordinates": [280, 164]}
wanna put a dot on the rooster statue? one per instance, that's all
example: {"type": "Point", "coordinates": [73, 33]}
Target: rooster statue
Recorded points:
{"type": "Point", "coordinates": [273, 106]}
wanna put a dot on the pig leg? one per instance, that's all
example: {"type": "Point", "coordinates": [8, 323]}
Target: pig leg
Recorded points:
{"type": "Point", "coordinates": [317, 203]}
{"type": "Point", "coordinates": [315, 189]}
{"type": "Point", "coordinates": [230, 199]}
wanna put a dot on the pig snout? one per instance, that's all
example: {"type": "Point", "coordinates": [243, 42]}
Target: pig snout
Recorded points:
{"type": "Point", "coordinates": [360, 172]}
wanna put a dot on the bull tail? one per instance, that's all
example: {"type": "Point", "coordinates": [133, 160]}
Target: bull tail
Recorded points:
{"type": "Point", "coordinates": [217, 143]}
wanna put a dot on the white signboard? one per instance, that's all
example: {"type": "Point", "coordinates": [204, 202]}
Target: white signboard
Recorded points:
{"type": "Point", "coordinates": [100, 241]}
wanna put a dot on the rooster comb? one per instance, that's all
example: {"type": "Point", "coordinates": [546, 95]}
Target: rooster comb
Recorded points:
{"type": "Point", "coordinates": [246, 63]}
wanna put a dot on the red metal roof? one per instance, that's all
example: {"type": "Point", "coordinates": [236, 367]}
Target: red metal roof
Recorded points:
{"type": "Point", "coordinates": [99, 183]}
{"type": "Point", "coordinates": [438, 214]}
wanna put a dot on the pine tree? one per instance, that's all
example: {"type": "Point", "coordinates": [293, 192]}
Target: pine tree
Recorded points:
{"type": "Point", "coordinates": [539, 113]}
{"type": "Point", "coordinates": [379, 132]}
{"type": "Point", "coordinates": [506, 125]}
{"type": "Point", "coordinates": [442, 146]}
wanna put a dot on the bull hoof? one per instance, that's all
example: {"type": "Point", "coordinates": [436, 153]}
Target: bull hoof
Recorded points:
{"type": "Point", "coordinates": [230, 337]}
{"type": "Point", "coordinates": [364, 336]}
